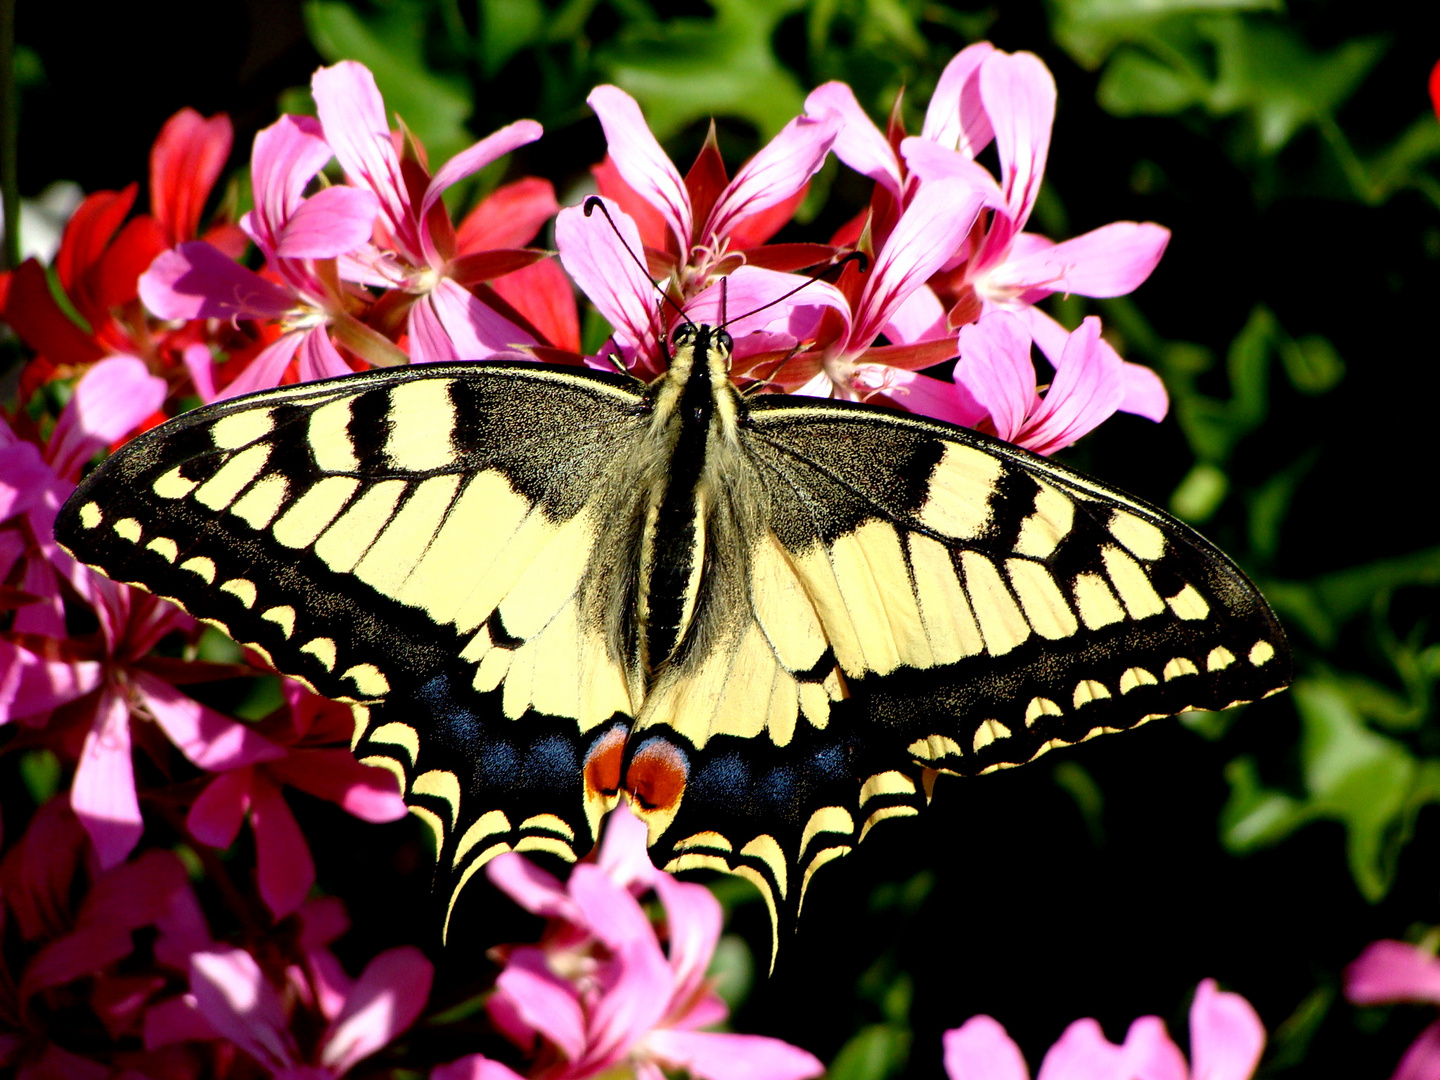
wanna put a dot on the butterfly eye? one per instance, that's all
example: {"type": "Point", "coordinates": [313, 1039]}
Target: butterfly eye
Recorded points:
{"type": "Point", "coordinates": [684, 335]}
{"type": "Point", "coordinates": [724, 341]}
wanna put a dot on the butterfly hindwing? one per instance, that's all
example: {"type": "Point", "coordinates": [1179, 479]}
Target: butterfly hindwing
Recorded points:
{"type": "Point", "coordinates": [942, 602]}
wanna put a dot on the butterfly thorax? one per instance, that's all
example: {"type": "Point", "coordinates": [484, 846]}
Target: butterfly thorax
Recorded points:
{"type": "Point", "coordinates": [695, 412]}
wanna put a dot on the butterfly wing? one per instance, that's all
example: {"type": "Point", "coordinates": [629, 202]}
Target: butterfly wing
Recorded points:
{"type": "Point", "coordinates": [926, 599]}
{"type": "Point", "coordinates": [415, 541]}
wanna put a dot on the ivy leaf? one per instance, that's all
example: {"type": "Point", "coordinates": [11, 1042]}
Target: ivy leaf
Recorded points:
{"type": "Point", "coordinates": [1369, 783]}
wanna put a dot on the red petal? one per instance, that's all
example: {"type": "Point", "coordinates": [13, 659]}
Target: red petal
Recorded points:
{"type": "Point", "coordinates": [89, 231]}
{"type": "Point", "coordinates": [37, 318]}
{"type": "Point", "coordinates": [510, 217]}
{"type": "Point", "coordinates": [184, 165]}
{"type": "Point", "coordinates": [543, 294]}
{"type": "Point", "coordinates": [654, 232]}
{"type": "Point", "coordinates": [757, 228]}
{"type": "Point", "coordinates": [115, 281]}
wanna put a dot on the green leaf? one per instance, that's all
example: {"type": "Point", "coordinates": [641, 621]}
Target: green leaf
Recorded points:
{"type": "Point", "coordinates": [391, 44]}
{"type": "Point", "coordinates": [1312, 363]}
{"type": "Point", "coordinates": [1137, 84]}
{"type": "Point", "coordinates": [1200, 493]}
{"type": "Point", "coordinates": [690, 69]}
{"type": "Point", "coordinates": [1367, 782]}
{"type": "Point", "coordinates": [872, 1053]}
{"type": "Point", "coordinates": [1090, 29]}
{"type": "Point", "coordinates": [40, 773]}
{"type": "Point", "coordinates": [506, 27]}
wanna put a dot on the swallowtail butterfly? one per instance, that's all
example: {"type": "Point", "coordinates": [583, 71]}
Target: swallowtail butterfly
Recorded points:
{"type": "Point", "coordinates": [771, 621]}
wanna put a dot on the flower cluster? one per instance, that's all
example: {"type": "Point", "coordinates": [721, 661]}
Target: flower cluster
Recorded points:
{"type": "Point", "coordinates": [349, 259]}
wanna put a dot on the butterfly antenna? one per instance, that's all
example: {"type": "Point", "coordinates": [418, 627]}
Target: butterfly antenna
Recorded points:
{"type": "Point", "coordinates": [594, 202]}
{"type": "Point", "coordinates": [854, 256]}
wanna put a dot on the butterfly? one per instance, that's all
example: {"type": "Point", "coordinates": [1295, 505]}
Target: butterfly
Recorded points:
{"type": "Point", "coordinates": [769, 622]}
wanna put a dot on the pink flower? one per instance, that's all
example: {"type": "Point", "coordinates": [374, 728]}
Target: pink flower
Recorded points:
{"type": "Point", "coordinates": [986, 95]}
{"type": "Point", "coordinates": [315, 733]}
{"type": "Point", "coordinates": [1226, 1040]}
{"type": "Point", "coordinates": [109, 683]}
{"type": "Point", "coordinates": [1392, 971]}
{"type": "Point", "coordinates": [298, 237]}
{"type": "Point", "coordinates": [601, 993]}
{"type": "Point", "coordinates": [231, 998]}
{"type": "Point", "coordinates": [416, 248]}
{"type": "Point", "coordinates": [600, 260]}
{"type": "Point", "coordinates": [700, 227]}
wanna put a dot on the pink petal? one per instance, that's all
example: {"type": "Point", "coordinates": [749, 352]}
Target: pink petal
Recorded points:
{"type": "Point", "coordinates": [30, 686]}
{"type": "Point", "coordinates": [1019, 97]}
{"type": "Point", "coordinates": [216, 816]}
{"type": "Point", "coordinates": [604, 266]}
{"type": "Point", "coordinates": [641, 161]}
{"type": "Point", "coordinates": [921, 317]}
{"type": "Point", "coordinates": [782, 167]}
{"type": "Point", "coordinates": [429, 340]}
{"type": "Point", "coordinates": [319, 359]}
{"type": "Point", "coordinates": [927, 234]}
{"type": "Point", "coordinates": [182, 930]}
{"type": "Point", "coordinates": [475, 331]}
{"type": "Point", "coordinates": [366, 791]}
{"type": "Point", "coordinates": [996, 369]}
{"type": "Point", "coordinates": [284, 869]}
{"type": "Point", "coordinates": [713, 1056]}
{"type": "Point", "coordinates": [110, 401]}
{"type": "Point", "coordinates": [536, 890]}
{"type": "Point", "coordinates": [103, 794]}
{"type": "Point", "coordinates": [543, 1002]}
{"type": "Point", "coordinates": [286, 157]}
{"type": "Point", "coordinates": [643, 985]}
{"type": "Point", "coordinates": [201, 366]}
{"type": "Point", "coordinates": [859, 143]}
{"type": "Point", "coordinates": [385, 1000]}
{"type": "Point", "coordinates": [951, 402]}
{"type": "Point", "coordinates": [268, 367]}
{"type": "Point", "coordinates": [1148, 1052]}
{"type": "Point", "coordinates": [198, 281]}
{"type": "Point", "coordinates": [1226, 1035]}
{"type": "Point", "coordinates": [209, 739]}
{"type": "Point", "coordinates": [474, 1067]}
{"type": "Point", "coordinates": [352, 113]}
{"type": "Point", "coordinates": [694, 919]}
{"type": "Point", "coordinates": [1085, 393]}
{"type": "Point", "coordinates": [23, 477]}
{"type": "Point", "coordinates": [1109, 261]}
{"type": "Point", "coordinates": [955, 117]}
{"type": "Point", "coordinates": [624, 851]}
{"type": "Point", "coordinates": [980, 1049]}
{"type": "Point", "coordinates": [1083, 1053]}
{"type": "Point", "coordinates": [232, 995]}
{"type": "Point", "coordinates": [930, 162]}
{"type": "Point", "coordinates": [1142, 392]}
{"type": "Point", "coordinates": [752, 304]}
{"type": "Point", "coordinates": [1389, 971]}
{"type": "Point", "coordinates": [1422, 1060]}
{"type": "Point", "coordinates": [491, 148]}
{"type": "Point", "coordinates": [330, 223]}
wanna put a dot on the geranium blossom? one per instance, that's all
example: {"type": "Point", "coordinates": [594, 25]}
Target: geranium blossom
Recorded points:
{"type": "Point", "coordinates": [1226, 1040]}
{"type": "Point", "coordinates": [1394, 971]}
{"type": "Point", "coordinates": [103, 696]}
{"type": "Point", "coordinates": [986, 95]}
{"type": "Point", "coordinates": [416, 251]}
{"type": "Point", "coordinates": [601, 993]}
{"type": "Point", "coordinates": [232, 998]}
{"type": "Point", "coordinates": [296, 235]}
{"type": "Point", "coordinates": [315, 733]}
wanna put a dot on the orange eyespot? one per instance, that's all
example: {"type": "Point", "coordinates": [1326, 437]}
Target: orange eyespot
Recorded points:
{"type": "Point", "coordinates": [657, 775]}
